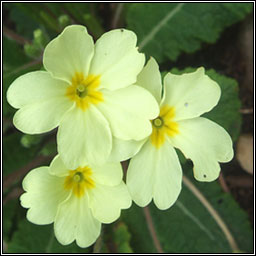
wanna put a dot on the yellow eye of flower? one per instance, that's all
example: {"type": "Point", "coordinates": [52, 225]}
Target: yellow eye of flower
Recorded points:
{"type": "Point", "coordinates": [163, 125]}
{"type": "Point", "coordinates": [79, 180]}
{"type": "Point", "coordinates": [83, 90]}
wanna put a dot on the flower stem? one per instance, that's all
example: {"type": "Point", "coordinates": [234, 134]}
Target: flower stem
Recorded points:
{"type": "Point", "coordinates": [98, 244]}
{"type": "Point", "coordinates": [213, 212]}
{"type": "Point", "coordinates": [12, 35]}
{"type": "Point", "coordinates": [152, 230]}
{"type": "Point", "coordinates": [116, 18]}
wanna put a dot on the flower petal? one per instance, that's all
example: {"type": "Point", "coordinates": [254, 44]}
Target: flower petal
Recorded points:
{"type": "Point", "coordinates": [191, 94]}
{"type": "Point", "coordinates": [110, 174]}
{"type": "Point", "coordinates": [168, 177]}
{"type": "Point", "coordinates": [70, 52]}
{"type": "Point", "coordinates": [43, 194]}
{"type": "Point", "coordinates": [117, 59]}
{"type": "Point", "coordinates": [34, 87]}
{"type": "Point", "coordinates": [124, 149]}
{"type": "Point", "coordinates": [42, 116]}
{"type": "Point", "coordinates": [84, 137]}
{"type": "Point", "coordinates": [106, 202]}
{"type": "Point", "coordinates": [155, 173]}
{"type": "Point", "coordinates": [150, 79]}
{"type": "Point", "coordinates": [58, 168]}
{"type": "Point", "coordinates": [74, 221]}
{"type": "Point", "coordinates": [205, 143]}
{"type": "Point", "coordinates": [42, 101]}
{"type": "Point", "coordinates": [140, 175]}
{"type": "Point", "coordinates": [128, 111]}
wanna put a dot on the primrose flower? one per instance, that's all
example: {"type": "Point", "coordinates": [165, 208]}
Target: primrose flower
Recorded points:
{"type": "Point", "coordinates": [88, 91]}
{"type": "Point", "coordinates": [155, 171]}
{"type": "Point", "coordinates": [77, 201]}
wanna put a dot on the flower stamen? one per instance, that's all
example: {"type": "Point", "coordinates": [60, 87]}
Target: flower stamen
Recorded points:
{"type": "Point", "coordinates": [83, 90]}
{"type": "Point", "coordinates": [79, 181]}
{"type": "Point", "coordinates": [163, 125]}
{"type": "Point", "coordinates": [158, 122]}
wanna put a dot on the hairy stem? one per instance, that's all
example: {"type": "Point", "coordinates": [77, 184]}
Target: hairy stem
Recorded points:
{"type": "Point", "coordinates": [213, 213]}
{"type": "Point", "coordinates": [152, 230]}
{"type": "Point", "coordinates": [223, 183]}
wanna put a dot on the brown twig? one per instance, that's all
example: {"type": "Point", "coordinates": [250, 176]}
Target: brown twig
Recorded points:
{"type": "Point", "coordinates": [17, 175]}
{"type": "Point", "coordinates": [15, 193]}
{"type": "Point", "coordinates": [246, 111]}
{"type": "Point", "coordinates": [98, 244]}
{"type": "Point", "coordinates": [25, 66]}
{"type": "Point", "coordinates": [152, 230]}
{"type": "Point", "coordinates": [125, 165]}
{"type": "Point", "coordinates": [12, 35]}
{"type": "Point", "coordinates": [117, 14]}
{"type": "Point", "coordinates": [223, 183]}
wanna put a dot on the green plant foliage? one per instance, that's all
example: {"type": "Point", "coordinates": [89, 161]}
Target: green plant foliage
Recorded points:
{"type": "Point", "coordinates": [226, 113]}
{"type": "Point", "coordinates": [141, 241]}
{"type": "Point", "coordinates": [39, 13]}
{"type": "Point", "coordinates": [122, 238]}
{"type": "Point", "coordinates": [165, 30]}
{"type": "Point", "coordinates": [13, 55]}
{"type": "Point", "coordinates": [15, 155]}
{"type": "Point", "coordinates": [49, 149]}
{"type": "Point", "coordinates": [28, 140]}
{"type": "Point", "coordinates": [187, 227]}
{"type": "Point", "coordinates": [31, 238]}
{"type": "Point", "coordinates": [24, 25]}
{"type": "Point", "coordinates": [9, 211]}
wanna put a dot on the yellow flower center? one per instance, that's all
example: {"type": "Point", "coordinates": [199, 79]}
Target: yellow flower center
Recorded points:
{"type": "Point", "coordinates": [83, 90]}
{"type": "Point", "coordinates": [163, 125]}
{"type": "Point", "coordinates": [79, 180]}
{"type": "Point", "coordinates": [158, 122]}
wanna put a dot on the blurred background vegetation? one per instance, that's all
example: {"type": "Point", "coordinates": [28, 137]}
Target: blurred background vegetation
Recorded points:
{"type": "Point", "coordinates": [218, 36]}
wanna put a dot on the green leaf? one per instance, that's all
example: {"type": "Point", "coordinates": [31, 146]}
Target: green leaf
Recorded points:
{"type": "Point", "coordinates": [15, 155]}
{"type": "Point", "coordinates": [188, 227]}
{"type": "Point", "coordinates": [31, 238]}
{"type": "Point", "coordinates": [226, 113]}
{"type": "Point", "coordinates": [24, 22]}
{"type": "Point", "coordinates": [122, 238]}
{"type": "Point", "coordinates": [9, 211]}
{"type": "Point", "coordinates": [165, 30]}
{"type": "Point", "coordinates": [13, 55]}
{"type": "Point", "coordinates": [141, 241]}
{"type": "Point", "coordinates": [36, 13]}
{"type": "Point", "coordinates": [77, 10]}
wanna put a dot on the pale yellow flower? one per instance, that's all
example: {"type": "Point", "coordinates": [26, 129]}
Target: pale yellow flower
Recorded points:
{"type": "Point", "coordinates": [88, 91]}
{"type": "Point", "coordinates": [76, 201]}
{"type": "Point", "coordinates": [155, 171]}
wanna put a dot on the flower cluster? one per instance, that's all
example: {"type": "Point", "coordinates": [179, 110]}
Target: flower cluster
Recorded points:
{"type": "Point", "coordinates": [109, 107]}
